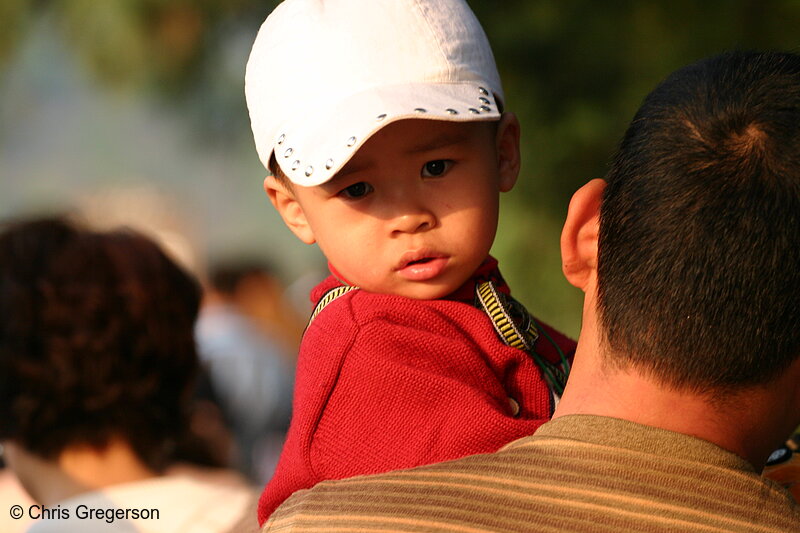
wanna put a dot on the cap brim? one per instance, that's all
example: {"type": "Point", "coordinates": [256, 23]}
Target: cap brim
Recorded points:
{"type": "Point", "coordinates": [313, 147]}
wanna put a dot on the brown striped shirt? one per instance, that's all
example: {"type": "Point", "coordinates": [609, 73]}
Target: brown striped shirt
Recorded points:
{"type": "Point", "coordinates": [577, 473]}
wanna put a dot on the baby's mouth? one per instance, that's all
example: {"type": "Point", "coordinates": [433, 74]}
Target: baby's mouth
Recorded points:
{"type": "Point", "coordinates": [422, 265]}
{"type": "Point", "coordinates": [417, 258]}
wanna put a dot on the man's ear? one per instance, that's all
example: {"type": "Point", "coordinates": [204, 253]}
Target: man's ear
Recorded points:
{"type": "Point", "coordinates": [580, 234]}
{"type": "Point", "coordinates": [289, 208]}
{"type": "Point", "coordinates": [507, 146]}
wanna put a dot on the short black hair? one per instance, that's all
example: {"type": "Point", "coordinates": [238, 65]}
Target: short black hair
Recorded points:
{"type": "Point", "coordinates": [96, 339]}
{"type": "Point", "coordinates": [699, 247]}
{"type": "Point", "coordinates": [277, 172]}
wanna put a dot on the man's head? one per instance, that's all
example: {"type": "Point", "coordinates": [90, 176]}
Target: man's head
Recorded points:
{"type": "Point", "coordinates": [96, 340]}
{"type": "Point", "coordinates": [374, 117]}
{"type": "Point", "coordinates": [698, 275]}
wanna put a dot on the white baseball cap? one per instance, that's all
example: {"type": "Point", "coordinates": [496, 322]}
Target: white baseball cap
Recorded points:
{"type": "Point", "coordinates": [324, 75]}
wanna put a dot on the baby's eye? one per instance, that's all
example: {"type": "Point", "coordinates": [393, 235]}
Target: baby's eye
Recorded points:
{"type": "Point", "coordinates": [356, 190]}
{"type": "Point", "coordinates": [432, 169]}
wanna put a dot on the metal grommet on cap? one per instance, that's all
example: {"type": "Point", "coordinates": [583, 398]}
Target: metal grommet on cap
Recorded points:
{"type": "Point", "coordinates": [484, 101]}
{"type": "Point", "coordinates": [295, 164]}
{"type": "Point", "coordinates": [474, 111]}
{"type": "Point", "coordinates": [451, 111]}
{"type": "Point", "coordinates": [351, 141]}
{"type": "Point", "coordinates": [486, 108]}
{"type": "Point", "coordinates": [514, 405]}
{"type": "Point", "coordinates": [420, 110]}
{"type": "Point", "coordinates": [309, 170]}
{"type": "Point", "coordinates": [483, 91]}
{"type": "Point", "coordinates": [281, 138]}
{"type": "Point", "coordinates": [380, 117]}
{"type": "Point", "coordinates": [288, 152]}
{"type": "Point", "coordinates": [328, 164]}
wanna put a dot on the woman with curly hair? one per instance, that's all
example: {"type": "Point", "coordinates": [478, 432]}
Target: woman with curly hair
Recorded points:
{"type": "Point", "coordinates": [97, 366]}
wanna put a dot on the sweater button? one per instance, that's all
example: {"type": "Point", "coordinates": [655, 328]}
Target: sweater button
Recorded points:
{"type": "Point", "coordinates": [514, 404]}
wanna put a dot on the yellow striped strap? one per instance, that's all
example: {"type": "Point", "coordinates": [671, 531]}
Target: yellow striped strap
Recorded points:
{"type": "Point", "coordinates": [517, 329]}
{"type": "Point", "coordinates": [520, 333]}
{"type": "Point", "coordinates": [329, 297]}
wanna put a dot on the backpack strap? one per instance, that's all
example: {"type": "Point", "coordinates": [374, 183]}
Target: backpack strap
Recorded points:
{"type": "Point", "coordinates": [518, 329]}
{"type": "Point", "coordinates": [327, 299]}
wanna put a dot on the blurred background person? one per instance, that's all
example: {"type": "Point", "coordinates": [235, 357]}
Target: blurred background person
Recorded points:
{"type": "Point", "coordinates": [253, 286]}
{"type": "Point", "coordinates": [97, 370]}
{"type": "Point", "coordinates": [247, 337]}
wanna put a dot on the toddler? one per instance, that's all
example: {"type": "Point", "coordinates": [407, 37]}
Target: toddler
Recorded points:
{"type": "Point", "coordinates": [381, 123]}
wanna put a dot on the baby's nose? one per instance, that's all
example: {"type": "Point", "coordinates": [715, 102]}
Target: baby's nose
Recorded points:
{"type": "Point", "coordinates": [415, 221]}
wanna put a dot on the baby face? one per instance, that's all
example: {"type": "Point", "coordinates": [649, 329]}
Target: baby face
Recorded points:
{"type": "Point", "coordinates": [414, 212]}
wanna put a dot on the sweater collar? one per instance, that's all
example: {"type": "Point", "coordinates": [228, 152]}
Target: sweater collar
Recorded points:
{"type": "Point", "coordinates": [619, 433]}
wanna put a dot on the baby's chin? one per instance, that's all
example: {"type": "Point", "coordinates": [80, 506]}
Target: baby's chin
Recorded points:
{"type": "Point", "coordinates": [418, 290]}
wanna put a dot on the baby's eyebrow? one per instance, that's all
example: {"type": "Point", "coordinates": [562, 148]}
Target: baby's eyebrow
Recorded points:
{"type": "Point", "coordinates": [440, 141]}
{"type": "Point", "coordinates": [349, 169]}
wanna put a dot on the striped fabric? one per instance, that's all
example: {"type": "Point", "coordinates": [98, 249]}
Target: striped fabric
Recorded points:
{"type": "Point", "coordinates": [577, 473]}
{"type": "Point", "coordinates": [330, 296]}
{"type": "Point", "coordinates": [491, 301]}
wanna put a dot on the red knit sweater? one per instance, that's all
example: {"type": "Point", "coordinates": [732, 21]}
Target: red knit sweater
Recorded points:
{"type": "Point", "coordinates": [386, 382]}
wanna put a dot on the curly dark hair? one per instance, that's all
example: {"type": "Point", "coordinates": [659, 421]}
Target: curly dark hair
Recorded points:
{"type": "Point", "coordinates": [96, 339]}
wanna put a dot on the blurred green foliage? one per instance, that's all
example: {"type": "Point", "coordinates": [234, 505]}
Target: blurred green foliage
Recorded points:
{"type": "Point", "coordinates": [574, 72]}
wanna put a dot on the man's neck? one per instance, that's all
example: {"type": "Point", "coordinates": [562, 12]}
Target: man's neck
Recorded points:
{"type": "Point", "coordinates": [749, 423]}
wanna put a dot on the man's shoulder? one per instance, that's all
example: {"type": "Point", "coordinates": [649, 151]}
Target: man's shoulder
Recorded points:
{"type": "Point", "coordinates": [549, 480]}
{"type": "Point", "coordinates": [394, 499]}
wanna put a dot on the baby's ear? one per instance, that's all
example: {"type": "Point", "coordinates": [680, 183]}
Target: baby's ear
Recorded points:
{"type": "Point", "coordinates": [507, 146]}
{"type": "Point", "coordinates": [289, 208]}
